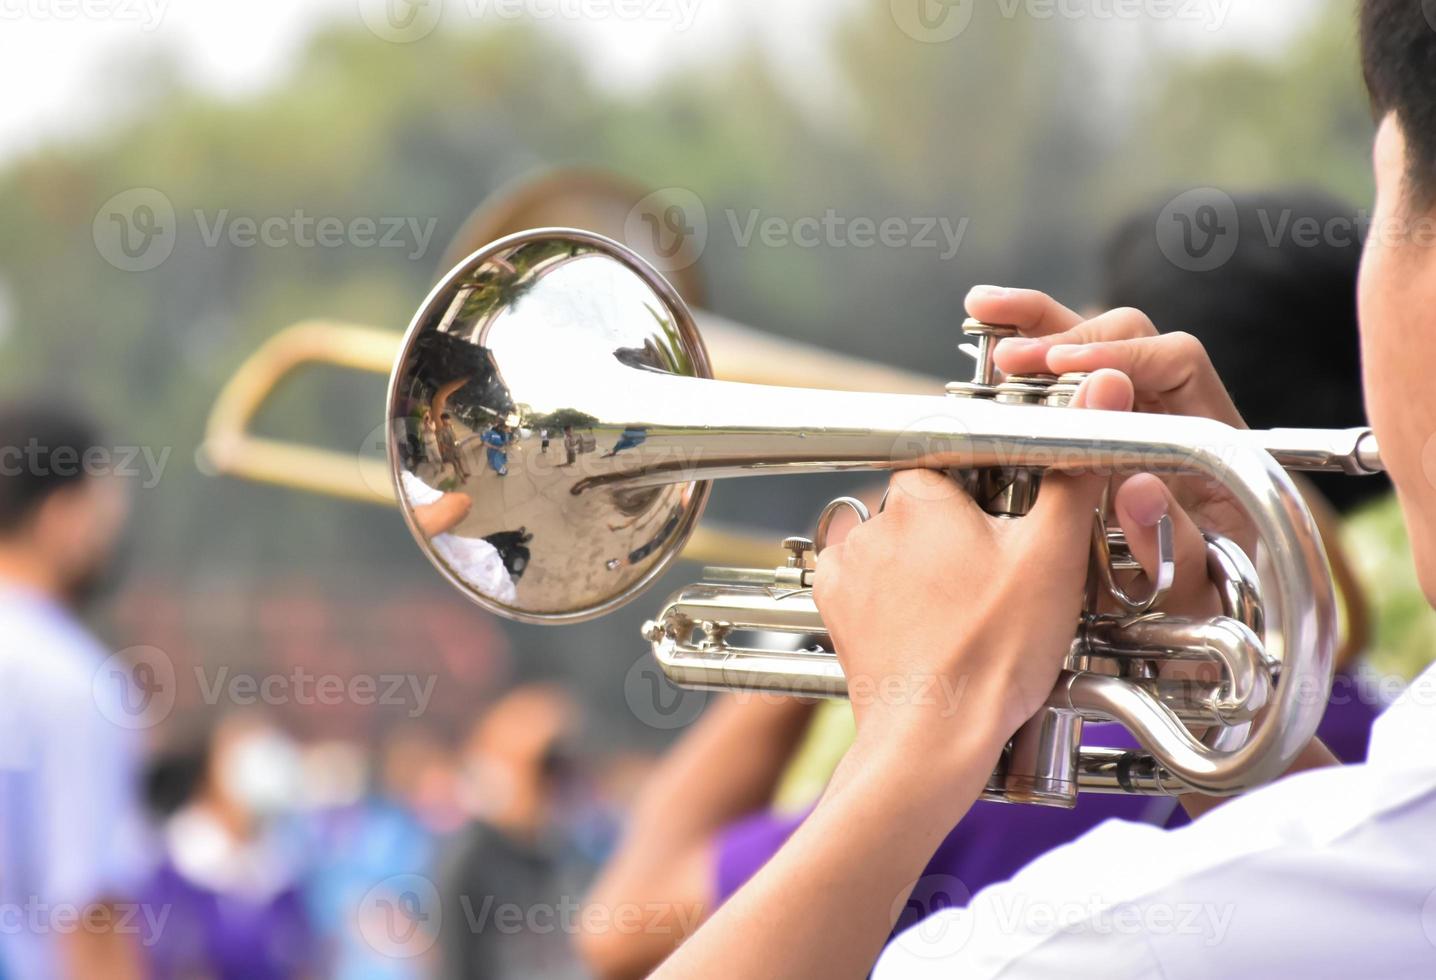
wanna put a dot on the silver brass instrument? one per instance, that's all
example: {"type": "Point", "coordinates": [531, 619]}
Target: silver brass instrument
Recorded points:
{"type": "Point", "coordinates": [558, 381]}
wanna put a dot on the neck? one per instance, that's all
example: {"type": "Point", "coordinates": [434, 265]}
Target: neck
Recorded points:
{"type": "Point", "coordinates": [235, 819]}
{"type": "Point", "coordinates": [23, 568]}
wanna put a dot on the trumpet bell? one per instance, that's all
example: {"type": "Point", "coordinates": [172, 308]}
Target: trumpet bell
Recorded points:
{"type": "Point", "coordinates": [500, 463]}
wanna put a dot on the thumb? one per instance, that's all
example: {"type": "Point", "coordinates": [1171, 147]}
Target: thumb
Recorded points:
{"type": "Point", "coordinates": [1140, 503]}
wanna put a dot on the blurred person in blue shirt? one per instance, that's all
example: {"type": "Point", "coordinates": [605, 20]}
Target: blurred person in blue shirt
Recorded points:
{"type": "Point", "coordinates": [72, 829]}
{"type": "Point", "coordinates": [370, 845]}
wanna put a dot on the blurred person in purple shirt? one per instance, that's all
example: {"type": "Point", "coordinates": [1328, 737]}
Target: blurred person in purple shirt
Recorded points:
{"type": "Point", "coordinates": [234, 854]}
{"type": "Point", "coordinates": [72, 829]}
{"type": "Point", "coordinates": [704, 825]}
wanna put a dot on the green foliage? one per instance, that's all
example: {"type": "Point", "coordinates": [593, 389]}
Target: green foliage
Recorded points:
{"type": "Point", "coordinates": [1237, 122]}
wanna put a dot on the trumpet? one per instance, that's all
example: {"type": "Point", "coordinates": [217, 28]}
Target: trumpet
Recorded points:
{"type": "Point", "coordinates": [558, 381]}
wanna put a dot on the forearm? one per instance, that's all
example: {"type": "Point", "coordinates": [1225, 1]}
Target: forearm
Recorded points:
{"type": "Point", "coordinates": [725, 767]}
{"type": "Point", "coordinates": [825, 904]}
{"type": "Point", "coordinates": [91, 954]}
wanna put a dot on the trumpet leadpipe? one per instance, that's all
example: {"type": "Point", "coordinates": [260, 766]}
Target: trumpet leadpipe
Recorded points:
{"type": "Point", "coordinates": [1350, 451]}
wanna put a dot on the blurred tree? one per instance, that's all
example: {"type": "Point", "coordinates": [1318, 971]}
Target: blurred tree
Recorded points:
{"type": "Point", "coordinates": [1236, 121]}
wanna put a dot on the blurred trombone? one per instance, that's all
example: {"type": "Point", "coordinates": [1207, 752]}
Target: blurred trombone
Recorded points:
{"type": "Point", "coordinates": [588, 199]}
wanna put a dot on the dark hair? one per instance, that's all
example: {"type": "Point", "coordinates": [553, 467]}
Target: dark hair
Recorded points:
{"type": "Point", "coordinates": [1398, 57]}
{"type": "Point", "coordinates": [173, 778]}
{"type": "Point", "coordinates": [42, 449]}
{"type": "Point", "coordinates": [1278, 318]}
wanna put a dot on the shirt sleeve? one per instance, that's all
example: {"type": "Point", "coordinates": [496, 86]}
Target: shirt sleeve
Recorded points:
{"type": "Point", "coordinates": [417, 491]}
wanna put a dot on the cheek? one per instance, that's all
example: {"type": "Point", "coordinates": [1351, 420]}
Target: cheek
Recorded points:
{"type": "Point", "coordinates": [77, 542]}
{"type": "Point", "coordinates": [1397, 349]}
{"type": "Point", "coordinates": [1395, 358]}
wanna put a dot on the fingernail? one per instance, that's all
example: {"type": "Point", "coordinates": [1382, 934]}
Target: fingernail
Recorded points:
{"type": "Point", "coordinates": [1148, 510]}
{"type": "Point", "coordinates": [1064, 350]}
{"type": "Point", "coordinates": [1018, 345]}
{"type": "Point", "coordinates": [990, 292]}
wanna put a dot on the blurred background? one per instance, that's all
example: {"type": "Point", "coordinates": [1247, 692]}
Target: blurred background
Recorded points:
{"type": "Point", "coordinates": [166, 167]}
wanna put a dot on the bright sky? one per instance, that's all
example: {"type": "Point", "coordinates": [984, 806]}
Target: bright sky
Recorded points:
{"type": "Point", "coordinates": [54, 54]}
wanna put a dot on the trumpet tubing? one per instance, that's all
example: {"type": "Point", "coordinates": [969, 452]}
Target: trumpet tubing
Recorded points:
{"type": "Point", "coordinates": [581, 373]}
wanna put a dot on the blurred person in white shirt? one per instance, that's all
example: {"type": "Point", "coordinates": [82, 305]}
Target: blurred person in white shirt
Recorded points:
{"type": "Point", "coordinates": [72, 834]}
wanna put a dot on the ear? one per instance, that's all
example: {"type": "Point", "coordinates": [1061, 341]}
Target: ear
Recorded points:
{"type": "Point", "coordinates": [62, 524]}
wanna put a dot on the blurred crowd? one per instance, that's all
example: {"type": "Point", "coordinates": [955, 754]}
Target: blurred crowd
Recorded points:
{"type": "Point", "coordinates": [232, 849]}
{"type": "Point", "coordinates": [279, 859]}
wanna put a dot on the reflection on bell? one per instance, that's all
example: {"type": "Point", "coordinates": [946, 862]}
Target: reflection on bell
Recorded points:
{"type": "Point", "coordinates": [484, 420]}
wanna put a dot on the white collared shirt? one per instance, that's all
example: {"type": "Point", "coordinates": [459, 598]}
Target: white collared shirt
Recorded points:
{"type": "Point", "coordinates": [1327, 873]}
{"type": "Point", "coordinates": [72, 824]}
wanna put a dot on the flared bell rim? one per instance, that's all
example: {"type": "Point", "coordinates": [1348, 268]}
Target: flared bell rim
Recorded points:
{"type": "Point", "coordinates": [692, 346]}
